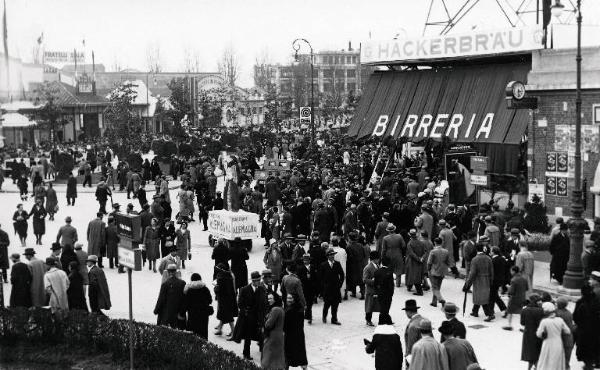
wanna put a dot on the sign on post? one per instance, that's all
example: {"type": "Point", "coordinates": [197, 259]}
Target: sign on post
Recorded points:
{"type": "Point", "coordinates": [305, 114]}
{"type": "Point", "coordinates": [479, 164]}
{"type": "Point", "coordinates": [129, 226]}
{"type": "Point", "coordinates": [130, 258]}
{"type": "Point", "coordinates": [481, 180]}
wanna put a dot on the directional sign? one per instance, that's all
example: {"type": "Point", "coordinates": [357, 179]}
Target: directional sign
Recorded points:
{"type": "Point", "coordinates": [479, 164]}
{"type": "Point", "coordinates": [131, 258]}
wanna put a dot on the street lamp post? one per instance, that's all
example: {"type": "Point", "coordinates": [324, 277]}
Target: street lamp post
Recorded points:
{"type": "Point", "coordinates": [573, 279]}
{"type": "Point", "coordinates": [296, 47]}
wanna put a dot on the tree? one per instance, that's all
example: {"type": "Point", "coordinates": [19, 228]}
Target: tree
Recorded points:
{"type": "Point", "coordinates": [116, 65]}
{"type": "Point", "coordinates": [271, 106]}
{"type": "Point", "coordinates": [229, 66]}
{"type": "Point", "coordinates": [124, 125]}
{"type": "Point", "coordinates": [262, 71]}
{"type": "Point", "coordinates": [49, 116]}
{"type": "Point", "coordinates": [191, 60]}
{"type": "Point", "coordinates": [153, 58]}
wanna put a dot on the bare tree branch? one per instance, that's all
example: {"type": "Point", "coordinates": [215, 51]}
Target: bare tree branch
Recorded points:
{"type": "Point", "coordinates": [229, 66]}
{"type": "Point", "coordinates": [153, 58]}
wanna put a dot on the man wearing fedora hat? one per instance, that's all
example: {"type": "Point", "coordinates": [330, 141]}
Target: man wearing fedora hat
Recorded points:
{"type": "Point", "coordinates": [355, 264]}
{"type": "Point", "coordinates": [371, 303]}
{"type": "Point", "coordinates": [332, 278]}
{"type": "Point", "coordinates": [412, 333]}
{"type": "Point", "coordinates": [96, 237]}
{"type": "Point", "coordinates": [559, 249]}
{"type": "Point", "coordinates": [98, 292]}
{"type": "Point", "coordinates": [307, 273]}
{"type": "Point", "coordinates": [394, 248]}
{"type": "Point", "coordinates": [448, 239]}
{"type": "Point", "coordinates": [427, 353]}
{"type": "Point", "coordinates": [170, 305]}
{"type": "Point", "coordinates": [55, 252]}
{"type": "Point", "coordinates": [38, 270]}
{"type": "Point", "coordinates": [252, 304]}
{"type": "Point", "coordinates": [381, 230]}
{"type": "Point", "coordinates": [415, 263]}
{"type": "Point", "coordinates": [458, 328]}
{"type": "Point", "coordinates": [459, 351]}
{"type": "Point", "coordinates": [56, 284]}
{"type": "Point", "coordinates": [20, 278]}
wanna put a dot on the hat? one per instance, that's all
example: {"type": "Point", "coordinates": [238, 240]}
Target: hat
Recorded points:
{"type": "Point", "coordinates": [450, 308]}
{"type": "Point", "coordinates": [223, 266]}
{"type": "Point", "coordinates": [172, 267]}
{"type": "Point", "coordinates": [92, 258]}
{"type": "Point", "coordinates": [559, 220]}
{"type": "Point", "coordinates": [390, 228]}
{"type": "Point", "coordinates": [534, 297]}
{"type": "Point", "coordinates": [413, 232]}
{"type": "Point", "coordinates": [116, 205]}
{"type": "Point", "coordinates": [301, 237]}
{"type": "Point", "coordinates": [353, 235]}
{"type": "Point", "coordinates": [411, 196]}
{"type": "Point", "coordinates": [450, 206]}
{"type": "Point", "coordinates": [386, 214]}
{"type": "Point", "coordinates": [78, 246]}
{"type": "Point", "coordinates": [68, 219]}
{"type": "Point", "coordinates": [488, 218]}
{"type": "Point", "coordinates": [515, 231]}
{"type": "Point", "coordinates": [548, 307]}
{"type": "Point", "coordinates": [446, 328]}
{"type": "Point", "coordinates": [29, 252]}
{"type": "Point", "coordinates": [316, 233]}
{"type": "Point", "coordinates": [564, 226]}
{"type": "Point", "coordinates": [331, 252]}
{"type": "Point", "coordinates": [50, 261]}
{"type": "Point", "coordinates": [442, 222]}
{"type": "Point", "coordinates": [55, 246]}
{"type": "Point", "coordinates": [425, 325]}
{"type": "Point", "coordinates": [595, 275]}
{"type": "Point", "coordinates": [15, 256]}
{"type": "Point", "coordinates": [421, 194]}
{"type": "Point", "coordinates": [255, 275]}
{"type": "Point", "coordinates": [306, 256]}
{"type": "Point", "coordinates": [288, 236]}
{"type": "Point", "coordinates": [129, 205]}
{"type": "Point", "coordinates": [410, 305]}
{"type": "Point", "coordinates": [267, 272]}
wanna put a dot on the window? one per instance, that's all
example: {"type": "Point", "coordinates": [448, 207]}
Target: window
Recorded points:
{"type": "Point", "coordinates": [348, 59]}
{"type": "Point", "coordinates": [354, 59]}
{"type": "Point", "coordinates": [351, 73]}
{"type": "Point", "coordinates": [260, 110]}
{"type": "Point", "coordinates": [253, 110]}
{"type": "Point", "coordinates": [351, 86]}
{"type": "Point", "coordinates": [328, 73]}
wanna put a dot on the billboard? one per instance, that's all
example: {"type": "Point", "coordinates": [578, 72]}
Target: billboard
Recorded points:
{"type": "Point", "coordinates": [63, 57]}
{"type": "Point", "coordinates": [231, 225]}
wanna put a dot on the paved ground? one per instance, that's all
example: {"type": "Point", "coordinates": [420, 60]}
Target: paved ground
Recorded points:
{"type": "Point", "coordinates": [328, 347]}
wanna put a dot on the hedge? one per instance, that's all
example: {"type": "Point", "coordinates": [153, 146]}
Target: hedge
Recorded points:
{"type": "Point", "coordinates": [155, 346]}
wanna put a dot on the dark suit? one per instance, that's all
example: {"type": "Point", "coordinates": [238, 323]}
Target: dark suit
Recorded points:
{"type": "Point", "coordinates": [252, 305]}
{"type": "Point", "coordinates": [170, 302]}
{"type": "Point", "coordinates": [332, 278]}
{"type": "Point", "coordinates": [20, 278]}
{"type": "Point", "coordinates": [324, 224]}
{"type": "Point", "coordinates": [308, 277]}
{"type": "Point", "coordinates": [498, 280]}
{"type": "Point", "coordinates": [384, 287]}
{"type": "Point", "coordinates": [458, 328]}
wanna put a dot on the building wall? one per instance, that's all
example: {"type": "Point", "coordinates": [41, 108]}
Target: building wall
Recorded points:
{"type": "Point", "coordinates": [558, 108]}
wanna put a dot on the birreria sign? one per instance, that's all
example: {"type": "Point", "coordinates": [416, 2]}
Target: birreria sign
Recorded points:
{"type": "Point", "coordinates": [455, 127]}
{"type": "Point", "coordinates": [482, 42]}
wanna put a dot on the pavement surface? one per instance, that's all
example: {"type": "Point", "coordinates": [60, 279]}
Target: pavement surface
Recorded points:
{"type": "Point", "coordinates": [328, 346]}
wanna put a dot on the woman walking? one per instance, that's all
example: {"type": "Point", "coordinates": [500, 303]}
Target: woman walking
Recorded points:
{"type": "Point", "coordinates": [152, 243]}
{"type": "Point", "coordinates": [587, 318]}
{"type": "Point", "coordinates": [198, 306]}
{"type": "Point", "coordinates": [531, 316]}
{"type": "Point", "coordinates": [293, 327]}
{"type": "Point", "coordinates": [551, 330]}
{"type": "Point", "coordinates": [51, 202]}
{"type": "Point", "coordinates": [75, 294]}
{"type": "Point", "coordinates": [38, 215]}
{"type": "Point", "coordinates": [20, 223]}
{"type": "Point", "coordinates": [273, 357]}
{"type": "Point", "coordinates": [183, 243]}
{"type": "Point", "coordinates": [225, 295]}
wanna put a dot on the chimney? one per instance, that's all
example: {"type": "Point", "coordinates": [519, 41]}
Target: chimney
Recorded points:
{"type": "Point", "coordinates": [349, 45]}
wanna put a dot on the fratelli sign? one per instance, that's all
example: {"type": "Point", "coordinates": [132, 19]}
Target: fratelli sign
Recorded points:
{"type": "Point", "coordinates": [484, 42]}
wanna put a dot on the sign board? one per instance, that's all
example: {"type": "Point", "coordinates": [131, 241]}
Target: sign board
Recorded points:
{"type": "Point", "coordinates": [85, 84]}
{"type": "Point", "coordinates": [474, 43]}
{"type": "Point", "coordinates": [129, 226]}
{"type": "Point", "coordinates": [479, 164]}
{"type": "Point", "coordinates": [277, 165]}
{"type": "Point", "coordinates": [260, 175]}
{"type": "Point", "coordinates": [131, 258]}
{"type": "Point", "coordinates": [537, 189]}
{"type": "Point", "coordinates": [63, 57]}
{"type": "Point", "coordinates": [550, 185]}
{"type": "Point", "coordinates": [305, 114]}
{"type": "Point", "coordinates": [481, 180]}
{"type": "Point", "coordinates": [231, 225]}
{"type": "Point", "coordinates": [562, 186]}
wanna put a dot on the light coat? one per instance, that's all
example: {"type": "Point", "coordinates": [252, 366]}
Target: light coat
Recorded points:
{"type": "Point", "coordinates": [56, 284]}
{"type": "Point", "coordinates": [481, 276]}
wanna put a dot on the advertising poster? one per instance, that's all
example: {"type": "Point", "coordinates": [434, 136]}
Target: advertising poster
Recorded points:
{"type": "Point", "coordinates": [561, 186]}
{"type": "Point", "coordinates": [537, 189]}
{"type": "Point", "coordinates": [562, 162]}
{"type": "Point", "coordinates": [551, 162]}
{"type": "Point", "coordinates": [231, 225]}
{"type": "Point", "coordinates": [564, 138]}
{"type": "Point", "coordinates": [550, 185]}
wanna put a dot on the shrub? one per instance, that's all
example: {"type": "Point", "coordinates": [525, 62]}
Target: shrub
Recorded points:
{"type": "Point", "coordinates": [64, 165]}
{"type": "Point", "coordinates": [538, 242]}
{"type": "Point", "coordinates": [154, 346]}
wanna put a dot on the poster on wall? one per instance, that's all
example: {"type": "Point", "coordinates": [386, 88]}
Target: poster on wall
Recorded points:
{"type": "Point", "coordinates": [561, 186]}
{"type": "Point", "coordinates": [564, 138]}
{"type": "Point", "coordinates": [537, 189]}
{"type": "Point", "coordinates": [550, 185]}
{"type": "Point", "coordinates": [562, 162]}
{"type": "Point", "coordinates": [551, 162]}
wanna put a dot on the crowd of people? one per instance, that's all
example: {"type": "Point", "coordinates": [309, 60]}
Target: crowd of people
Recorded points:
{"type": "Point", "coordinates": [333, 231]}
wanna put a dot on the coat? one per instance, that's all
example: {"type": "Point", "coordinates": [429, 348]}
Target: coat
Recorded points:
{"type": "Point", "coordinates": [294, 342]}
{"type": "Point", "coordinates": [67, 234]}
{"type": "Point", "coordinates": [531, 344]}
{"type": "Point", "coordinates": [428, 354]}
{"type": "Point", "coordinates": [38, 217]}
{"type": "Point", "coordinates": [323, 223]}
{"type": "Point", "coordinates": [38, 290]}
{"type": "Point", "coordinates": [152, 243]}
{"type": "Point", "coordinates": [384, 287]}
{"type": "Point", "coordinates": [387, 347]}
{"type": "Point", "coordinates": [525, 262]}
{"type": "Point", "coordinates": [332, 278]}
{"type": "Point", "coordinates": [98, 288]}
{"type": "Point", "coordinates": [412, 333]}
{"type": "Point", "coordinates": [170, 302]}
{"type": "Point", "coordinates": [587, 318]}
{"type": "Point", "coordinates": [112, 241]}
{"type": "Point", "coordinates": [460, 353]}
{"type": "Point", "coordinates": [380, 232]}
{"type": "Point", "coordinates": [371, 304]}
{"type": "Point", "coordinates": [20, 278]}
{"type": "Point", "coordinates": [552, 355]}
{"type": "Point", "coordinates": [75, 293]}
{"type": "Point", "coordinates": [458, 328]}
{"type": "Point", "coordinates": [355, 264]}
{"type": "Point", "coordinates": [252, 310]}
{"type": "Point", "coordinates": [96, 236]}
{"type": "Point", "coordinates": [51, 200]}
{"type": "Point", "coordinates": [393, 247]}
{"type": "Point", "coordinates": [273, 353]}
{"type": "Point", "coordinates": [517, 293]}
{"type": "Point", "coordinates": [291, 284]}
{"type": "Point", "coordinates": [438, 262]}
{"type": "Point", "coordinates": [227, 307]}
{"type": "Point", "coordinates": [72, 187]}
{"type": "Point", "coordinates": [56, 284]}
{"type": "Point", "coordinates": [183, 243]}
{"type": "Point", "coordinates": [82, 258]}
{"type": "Point", "coordinates": [500, 266]}
{"type": "Point", "coordinates": [415, 261]}
{"type": "Point", "coordinates": [197, 305]}
{"type": "Point", "coordinates": [559, 248]}
{"type": "Point", "coordinates": [308, 276]}
{"type": "Point", "coordinates": [273, 260]}
{"type": "Point", "coordinates": [238, 256]}
{"type": "Point", "coordinates": [481, 276]}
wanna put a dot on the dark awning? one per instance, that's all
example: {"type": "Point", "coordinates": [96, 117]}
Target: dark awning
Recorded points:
{"type": "Point", "coordinates": [465, 103]}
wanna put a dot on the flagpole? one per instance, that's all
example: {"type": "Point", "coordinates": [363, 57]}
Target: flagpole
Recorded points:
{"type": "Point", "coordinates": [6, 57]}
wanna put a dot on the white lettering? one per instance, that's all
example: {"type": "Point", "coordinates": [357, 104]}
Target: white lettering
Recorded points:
{"type": "Point", "coordinates": [470, 126]}
{"type": "Point", "coordinates": [486, 126]}
{"type": "Point", "coordinates": [455, 122]}
{"type": "Point", "coordinates": [410, 123]}
{"type": "Point", "coordinates": [439, 123]}
{"type": "Point", "coordinates": [424, 124]}
{"type": "Point", "coordinates": [381, 125]}
{"type": "Point", "coordinates": [395, 125]}
{"type": "Point", "coordinates": [517, 42]}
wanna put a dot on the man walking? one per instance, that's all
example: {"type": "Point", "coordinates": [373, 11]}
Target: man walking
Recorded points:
{"type": "Point", "coordinates": [67, 234]}
{"type": "Point", "coordinates": [447, 238]}
{"type": "Point", "coordinates": [437, 265]}
{"type": "Point", "coordinates": [415, 263]}
{"type": "Point", "coordinates": [56, 284]}
{"type": "Point", "coordinates": [20, 278]}
{"type": "Point", "coordinates": [252, 304]}
{"type": "Point", "coordinates": [307, 273]}
{"type": "Point", "coordinates": [99, 294]}
{"type": "Point", "coordinates": [427, 353]}
{"type": "Point", "coordinates": [102, 194]}
{"type": "Point", "coordinates": [499, 266]}
{"type": "Point", "coordinates": [332, 278]}
{"type": "Point", "coordinates": [481, 277]}
{"type": "Point", "coordinates": [459, 351]}
{"type": "Point", "coordinates": [412, 333]}
{"type": "Point", "coordinates": [170, 306]}
{"type": "Point", "coordinates": [38, 270]}
{"type": "Point", "coordinates": [394, 248]}
{"type": "Point", "coordinates": [96, 237]}
{"type": "Point", "coordinates": [384, 286]}
{"type": "Point", "coordinates": [371, 292]}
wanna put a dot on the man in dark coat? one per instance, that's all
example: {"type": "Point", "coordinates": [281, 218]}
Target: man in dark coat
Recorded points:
{"type": "Point", "coordinates": [170, 305]}
{"type": "Point", "coordinates": [71, 190]}
{"type": "Point", "coordinates": [301, 218]}
{"type": "Point", "coordinates": [384, 286]}
{"type": "Point", "coordinates": [98, 292]}
{"type": "Point", "coordinates": [4, 243]}
{"type": "Point", "coordinates": [332, 279]}
{"type": "Point", "coordinates": [252, 304]}
{"type": "Point", "coordinates": [500, 266]}
{"type": "Point", "coordinates": [102, 195]}
{"type": "Point", "coordinates": [357, 255]}
{"type": "Point", "coordinates": [307, 273]}
{"type": "Point", "coordinates": [20, 278]}
{"type": "Point", "coordinates": [323, 223]}
{"type": "Point", "coordinates": [458, 328]}
{"type": "Point", "coordinates": [559, 248]}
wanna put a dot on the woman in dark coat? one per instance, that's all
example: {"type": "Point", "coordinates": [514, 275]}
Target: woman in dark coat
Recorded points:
{"type": "Point", "coordinates": [531, 316]}
{"type": "Point", "coordinates": [386, 344]}
{"type": "Point", "coordinates": [71, 190]}
{"type": "Point", "coordinates": [293, 328]}
{"type": "Point", "coordinates": [226, 297]}
{"type": "Point", "coordinates": [198, 306]}
{"type": "Point", "coordinates": [238, 256]}
{"type": "Point", "coordinates": [220, 254]}
{"type": "Point", "coordinates": [38, 215]}
{"type": "Point", "coordinates": [67, 256]}
{"type": "Point", "coordinates": [167, 233]}
{"type": "Point", "coordinates": [560, 249]}
{"type": "Point", "coordinates": [587, 318]}
{"type": "Point", "coordinates": [152, 243]}
{"type": "Point", "coordinates": [51, 201]}
{"type": "Point", "coordinates": [20, 223]}
{"type": "Point", "coordinates": [273, 356]}
{"type": "Point", "coordinates": [75, 294]}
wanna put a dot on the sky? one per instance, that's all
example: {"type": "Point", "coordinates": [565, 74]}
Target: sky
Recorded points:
{"type": "Point", "coordinates": [121, 31]}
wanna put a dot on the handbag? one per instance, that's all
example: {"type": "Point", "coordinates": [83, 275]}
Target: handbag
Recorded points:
{"type": "Point", "coordinates": [56, 208]}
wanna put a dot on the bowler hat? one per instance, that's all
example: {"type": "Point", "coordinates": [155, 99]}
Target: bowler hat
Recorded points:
{"type": "Point", "coordinates": [306, 256]}
{"type": "Point", "coordinates": [390, 228]}
{"type": "Point", "coordinates": [442, 222]}
{"type": "Point", "coordinates": [50, 261]}
{"type": "Point", "coordinates": [353, 235]}
{"type": "Point", "coordinates": [450, 308]}
{"type": "Point", "coordinates": [255, 275]}
{"type": "Point", "coordinates": [514, 231]}
{"type": "Point", "coordinates": [331, 252]}
{"type": "Point", "coordinates": [78, 246]}
{"type": "Point", "coordinates": [68, 219]}
{"type": "Point", "coordinates": [595, 275]}
{"type": "Point", "coordinates": [55, 246]}
{"type": "Point", "coordinates": [410, 305]}
{"type": "Point", "coordinates": [29, 252]}
{"type": "Point", "coordinates": [484, 238]}
{"type": "Point", "coordinates": [301, 237]}
{"type": "Point", "coordinates": [288, 236]}
{"type": "Point", "coordinates": [92, 258]}
{"type": "Point", "coordinates": [267, 272]}
{"type": "Point", "coordinates": [413, 232]}
{"type": "Point", "coordinates": [316, 233]}
{"type": "Point", "coordinates": [488, 219]}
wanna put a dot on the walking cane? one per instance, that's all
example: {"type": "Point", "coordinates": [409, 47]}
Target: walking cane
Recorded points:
{"type": "Point", "coordinates": [465, 304]}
